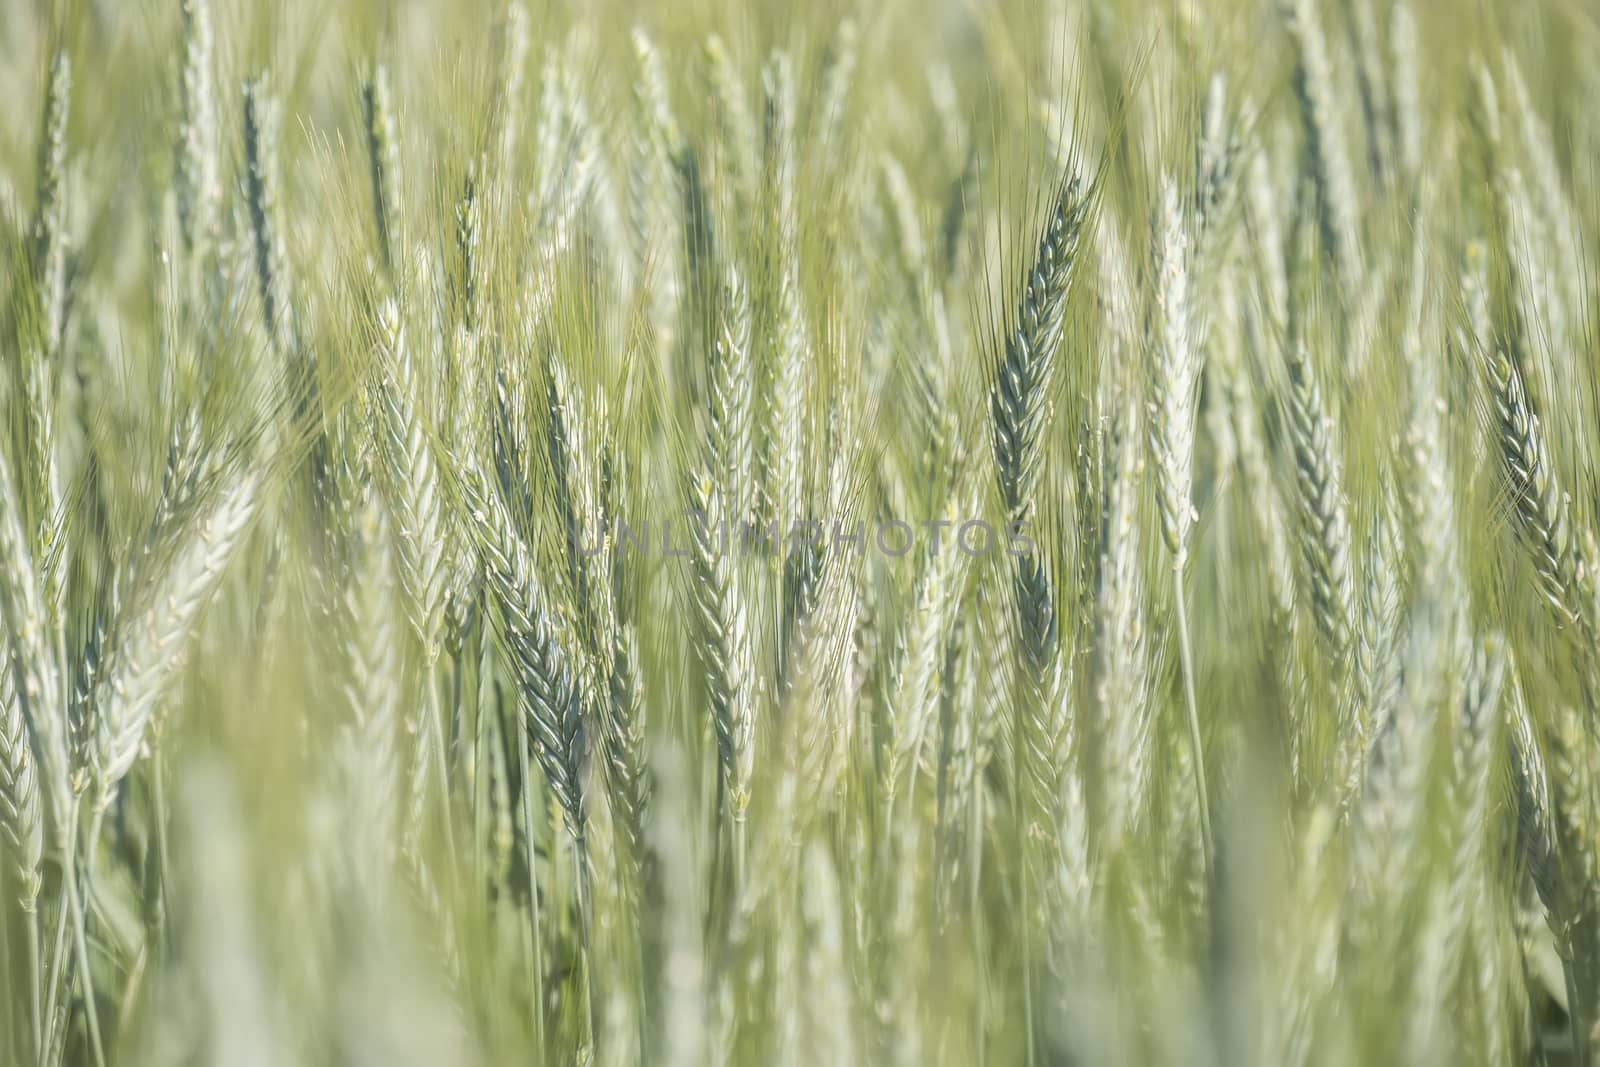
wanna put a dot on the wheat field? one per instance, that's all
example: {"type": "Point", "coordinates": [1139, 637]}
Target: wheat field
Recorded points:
{"type": "Point", "coordinates": [963, 532]}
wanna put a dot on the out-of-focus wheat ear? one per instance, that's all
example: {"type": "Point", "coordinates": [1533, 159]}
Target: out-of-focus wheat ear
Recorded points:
{"type": "Point", "coordinates": [1267, 509]}
{"type": "Point", "coordinates": [1431, 525]}
{"type": "Point", "coordinates": [1552, 204]}
{"type": "Point", "coordinates": [1480, 732]}
{"type": "Point", "coordinates": [1554, 855]}
{"type": "Point", "coordinates": [199, 176]}
{"type": "Point", "coordinates": [372, 684]}
{"type": "Point", "coordinates": [838, 84]}
{"type": "Point", "coordinates": [27, 657]}
{"type": "Point", "coordinates": [736, 124]}
{"type": "Point", "coordinates": [830, 1003]}
{"type": "Point", "coordinates": [959, 218]}
{"type": "Point", "coordinates": [232, 992]}
{"type": "Point", "coordinates": [383, 162]}
{"type": "Point", "coordinates": [724, 639]}
{"type": "Point", "coordinates": [1323, 530]}
{"type": "Point", "coordinates": [49, 237]}
{"type": "Point", "coordinates": [1522, 304]}
{"type": "Point", "coordinates": [412, 482]}
{"type": "Point", "coordinates": [1218, 155]}
{"type": "Point", "coordinates": [541, 651]}
{"type": "Point", "coordinates": [21, 814]}
{"type": "Point", "coordinates": [957, 767]}
{"type": "Point", "coordinates": [821, 608]}
{"type": "Point", "coordinates": [654, 93]}
{"type": "Point", "coordinates": [682, 930]}
{"type": "Point", "coordinates": [904, 218]}
{"type": "Point", "coordinates": [264, 195]}
{"type": "Point", "coordinates": [567, 444]}
{"type": "Point", "coordinates": [780, 147]}
{"type": "Point", "coordinates": [1373, 89]}
{"type": "Point", "coordinates": [1328, 157]}
{"type": "Point", "coordinates": [627, 768]}
{"type": "Point", "coordinates": [1406, 61]}
{"type": "Point", "coordinates": [497, 743]}
{"type": "Point", "coordinates": [790, 345]}
{"type": "Point", "coordinates": [1376, 646]}
{"type": "Point", "coordinates": [508, 90]}
{"type": "Point", "coordinates": [1264, 212]}
{"type": "Point", "coordinates": [151, 634]}
{"type": "Point", "coordinates": [700, 247]}
{"type": "Point", "coordinates": [916, 673]}
{"type": "Point", "coordinates": [786, 402]}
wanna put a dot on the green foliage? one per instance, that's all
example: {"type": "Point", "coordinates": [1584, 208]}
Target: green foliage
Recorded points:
{"type": "Point", "coordinates": [907, 532]}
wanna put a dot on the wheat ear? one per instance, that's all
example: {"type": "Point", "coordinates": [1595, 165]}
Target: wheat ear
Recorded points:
{"type": "Point", "coordinates": [151, 635]}
{"type": "Point", "coordinates": [198, 180]}
{"type": "Point", "coordinates": [412, 482]}
{"type": "Point", "coordinates": [541, 652]}
{"type": "Point", "coordinates": [383, 160]}
{"type": "Point", "coordinates": [1328, 155]}
{"type": "Point", "coordinates": [49, 246]}
{"type": "Point", "coordinates": [21, 821]}
{"type": "Point", "coordinates": [1176, 385]}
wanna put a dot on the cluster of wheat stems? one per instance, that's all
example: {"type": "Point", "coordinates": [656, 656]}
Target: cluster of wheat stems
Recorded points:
{"type": "Point", "coordinates": [387, 671]}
